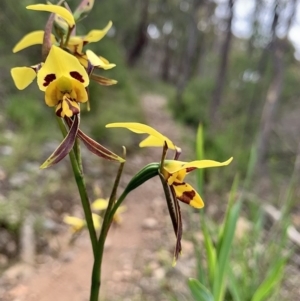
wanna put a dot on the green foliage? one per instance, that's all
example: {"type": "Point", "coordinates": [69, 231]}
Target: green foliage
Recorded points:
{"type": "Point", "coordinates": [195, 102]}
{"type": "Point", "coordinates": [236, 269]}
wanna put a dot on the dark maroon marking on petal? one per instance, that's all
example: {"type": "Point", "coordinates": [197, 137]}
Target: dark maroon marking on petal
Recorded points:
{"type": "Point", "coordinates": [187, 196]}
{"type": "Point", "coordinates": [48, 79]}
{"type": "Point", "coordinates": [77, 76]}
{"type": "Point", "coordinates": [58, 112]}
{"type": "Point", "coordinates": [189, 169]}
{"type": "Point", "coordinates": [70, 102]}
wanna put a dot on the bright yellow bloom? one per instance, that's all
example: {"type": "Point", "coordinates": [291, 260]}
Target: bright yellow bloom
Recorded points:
{"type": "Point", "coordinates": [154, 139]}
{"type": "Point", "coordinates": [77, 224]}
{"type": "Point", "coordinates": [174, 173]}
{"type": "Point", "coordinates": [101, 204]}
{"type": "Point", "coordinates": [75, 45]}
{"type": "Point", "coordinates": [64, 80]}
{"type": "Point", "coordinates": [56, 9]}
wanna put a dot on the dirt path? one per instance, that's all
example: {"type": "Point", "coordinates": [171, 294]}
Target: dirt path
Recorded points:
{"type": "Point", "coordinates": [132, 249]}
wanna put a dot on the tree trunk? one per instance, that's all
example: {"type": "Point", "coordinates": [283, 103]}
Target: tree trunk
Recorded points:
{"type": "Point", "coordinates": [189, 53]}
{"type": "Point", "coordinates": [220, 80]}
{"type": "Point", "coordinates": [166, 60]}
{"type": "Point", "coordinates": [270, 106]}
{"type": "Point", "coordinates": [141, 36]}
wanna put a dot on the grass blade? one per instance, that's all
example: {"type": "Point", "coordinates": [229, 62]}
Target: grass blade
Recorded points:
{"type": "Point", "coordinates": [199, 291]}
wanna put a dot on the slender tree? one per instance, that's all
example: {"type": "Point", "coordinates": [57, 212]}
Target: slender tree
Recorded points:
{"type": "Point", "coordinates": [189, 52]}
{"type": "Point", "coordinates": [141, 36]}
{"type": "Point", "coordinates": [222, 70]}
{"type": "Point", "coordinates": [273, 94]}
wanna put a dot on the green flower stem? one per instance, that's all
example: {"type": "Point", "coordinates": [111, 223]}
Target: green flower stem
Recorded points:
{"type": "Point", "coordinates": [82, 191]}
{"type": "Point", "coordinates": [107, 220]}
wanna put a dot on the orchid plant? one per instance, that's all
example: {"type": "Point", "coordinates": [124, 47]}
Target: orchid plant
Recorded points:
{"type": "Point", "coordinates": [64, 74]}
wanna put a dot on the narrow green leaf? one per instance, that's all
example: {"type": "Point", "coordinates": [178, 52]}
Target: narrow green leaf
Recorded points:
{"type": "Point", "coordinates": [233, 286]}
{"type": "Point", "coordinates": [270, 282]}
{"type": "Point", "coordinates": [210, 252]}
{"type": "Point", "coordinates": [225, 242]}
{"type": "Point", "coordinates": [199, 291]}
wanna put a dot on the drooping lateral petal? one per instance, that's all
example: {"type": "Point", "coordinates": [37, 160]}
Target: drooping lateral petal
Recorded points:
{"type": "Point", "coordinates": [32, 38]}
{"type": "Point", "coordinates": [174, 212]}
{"type": "Point", "coordinates": [96, 34]}
{"type": "Point", "coordinates": [95, 147]}
{"type": "Point", "coordinates": [59, 63]}
{"type": "Point", "coordinates": [56, 9]}
{"type": "Point", "coordinates": [173, 166]}
{"type": "Point", "coordinates": [23, 76]}
{"type": "Point", "coordinates": [187, 194]}
{"type": "Point", "coordinates": [104, 81]}
{"type": "Point", "coordinates": [140, 128]}
{"type": "Point", "coordinates": [65, 147]}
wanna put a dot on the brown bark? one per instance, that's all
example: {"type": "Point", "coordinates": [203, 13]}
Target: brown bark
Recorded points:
{"type": "Point", "coordinates": [166, 60]}
{"type": "Point", "coordinates": [221, 76]}
{"type": "Point", "coordinates": [189, 53]}
{"type": "Point", "coordinates": [270, 106]}
{"type": "Point", "coordinates": [141, 36]}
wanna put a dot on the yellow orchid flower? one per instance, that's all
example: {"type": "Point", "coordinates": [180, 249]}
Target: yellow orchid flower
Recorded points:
{"type": "Point", "coordinates": [64, 80]}
{"type": "Point", "coordinates": [76, 43]}
{"type": "Point", "coordinates": [101, 204]}
{"type": "Point", "coordinates": [174, 173]}
{"type": "Point", "coordinates": [78, 224]}
{"type": "Point", "coordinates": [154, 139]}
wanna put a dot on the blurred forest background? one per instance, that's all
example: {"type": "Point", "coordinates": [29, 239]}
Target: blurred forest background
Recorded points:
{"type": "Point", "coordinates": [232, 65]}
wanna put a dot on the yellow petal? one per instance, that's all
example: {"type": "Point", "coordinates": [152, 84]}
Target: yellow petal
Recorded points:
{"type": "Point", "coordinates": [32, 38]}
{"type": "Point", "coordinates": [97, 35]}
{"type": "Point", "coordinates": [59, 63]}
{"type": "Point", "coordinates": [98, 61]}
{"type": "Point", "coordinates": [151, 141]}
{"type": "Point", "coordinates": [75, 222]}
{"type": "Point", "coordinates": [105, 64]}
{"type": "Point", "coordinates": [140, 128]}
{"type": "Point", "coordinates": [80, 91]}
{"type": "Point", "coordinates": [69, 107]}
{"type": "Point", "coordinates": [56, 9]}
{"type": "Point", "coordinates": [173, 166]}
{"type": "Point", "coordinates": [51, 97]}
{"type": "Point", "coordinates": [99, 204]}
{"type": "Point", "coordinates": [22, 76]}
{"type": "Point", "coordinates": [93, 58]}
{"type": "Point", "coordinates": [187, 194]}
{"type": "Point", "coordinates": [96, 221]}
